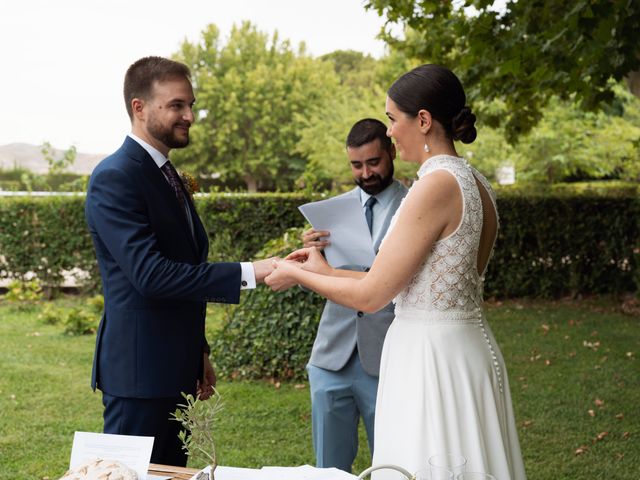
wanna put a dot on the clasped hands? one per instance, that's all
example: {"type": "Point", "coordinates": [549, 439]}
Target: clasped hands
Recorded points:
{"type": "Point", "coordinates": [286, 271]}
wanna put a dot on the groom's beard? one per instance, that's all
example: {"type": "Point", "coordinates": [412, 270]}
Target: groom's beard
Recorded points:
{"type": "Point", "coordinates": [176, 136]}
{"type": "Point", "coordinates": [375, 183]}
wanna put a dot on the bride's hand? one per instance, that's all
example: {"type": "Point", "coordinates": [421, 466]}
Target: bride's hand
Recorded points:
{"type": "Point", "coordinates": [311, 259]}
{"type": "Point", "coordinates": [282, 276]}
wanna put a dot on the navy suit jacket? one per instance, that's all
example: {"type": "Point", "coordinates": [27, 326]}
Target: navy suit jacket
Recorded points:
{"type": "Point", "coordinates": [155, 279]}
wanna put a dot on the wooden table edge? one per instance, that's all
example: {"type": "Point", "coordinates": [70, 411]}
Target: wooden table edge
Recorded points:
{"type": "Point", "coordinates": [179, 473]}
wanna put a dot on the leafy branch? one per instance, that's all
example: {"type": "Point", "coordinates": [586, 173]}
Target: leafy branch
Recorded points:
{"type": "Point", "coordinates": [197, 418]}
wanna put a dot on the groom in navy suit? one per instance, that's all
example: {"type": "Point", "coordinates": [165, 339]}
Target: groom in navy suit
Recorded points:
{"type": "Point", "coordinates": [152, 251]}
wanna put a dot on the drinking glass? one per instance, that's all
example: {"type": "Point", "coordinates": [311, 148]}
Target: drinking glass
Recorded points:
{"type": "Point", "coordinates": [447, 461]}
{"type": "Point", "coordinates": [438, 474]}
{"type": "Point", "coordinates": [475, 476]}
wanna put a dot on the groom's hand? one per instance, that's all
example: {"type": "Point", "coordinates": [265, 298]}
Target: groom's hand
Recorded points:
{"type": "Point", "coordinates": [262, 268]}
{"type": "Point", "coordinates": [206, 386]}
{"type": "Point", "coordinates": [281, 278]}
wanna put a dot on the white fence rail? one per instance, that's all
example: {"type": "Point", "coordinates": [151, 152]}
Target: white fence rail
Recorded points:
{"type": "Point", "coordinates": [6, 193]}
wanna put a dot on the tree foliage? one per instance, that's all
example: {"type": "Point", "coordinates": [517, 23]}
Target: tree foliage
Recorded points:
{"type": "Point", "coordinates": [568, 144]}
{"type": "Point", "coordinates": [363, 85]}
{"type": "Point", "coordinates": [271, 117]}
{"type": "Point", "coordinates": [58, 162]}
{"type": "Point", "coordinates": [251, 93]}
{"type": "Point", "coordinates": [525, 52]}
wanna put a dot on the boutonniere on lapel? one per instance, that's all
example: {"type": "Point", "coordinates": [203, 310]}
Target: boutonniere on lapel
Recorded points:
{"type": "Point", "coordinates": [190, 183]}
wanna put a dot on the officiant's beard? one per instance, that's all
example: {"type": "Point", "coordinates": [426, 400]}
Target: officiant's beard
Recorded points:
{"type": "Point", "coordinates": [375, 183]}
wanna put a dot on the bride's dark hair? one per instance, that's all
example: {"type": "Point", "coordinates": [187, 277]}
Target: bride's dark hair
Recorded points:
{"type": "Point", "coordinates": [436, 89]}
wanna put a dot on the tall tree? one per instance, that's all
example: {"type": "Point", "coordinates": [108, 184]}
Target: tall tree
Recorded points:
{"type": "Point", "coordinates": [363, 83]}
{"type": "Point", "coordinates": [251, 96]}
{"type": "Point", "coordinates": [525, 51]}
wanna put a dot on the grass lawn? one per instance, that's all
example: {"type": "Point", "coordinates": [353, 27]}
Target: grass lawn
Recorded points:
{"type": "Point", "coordinates": [573, 368]}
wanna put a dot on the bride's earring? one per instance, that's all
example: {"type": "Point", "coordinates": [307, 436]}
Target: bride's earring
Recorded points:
{"type": "Point", "coordinates": [426, 148]}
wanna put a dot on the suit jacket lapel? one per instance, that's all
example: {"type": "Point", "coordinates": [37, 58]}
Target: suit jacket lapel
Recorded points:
{"type": "Point", "coordinates": [201, 241]}
{"type": "Point", "coordinates": [161, 185]}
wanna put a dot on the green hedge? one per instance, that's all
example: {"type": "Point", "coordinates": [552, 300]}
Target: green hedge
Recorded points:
{"type": "Point", "coordinates": [546, 247]}
{"type": "Point", "coordinates": [549, 245]}
{"type": "Point", "coordinates": [560, 245]}
{"type": "Point", "coordinates": [47, 236]}
{"type": "Point", "coordinates": [239, 225]}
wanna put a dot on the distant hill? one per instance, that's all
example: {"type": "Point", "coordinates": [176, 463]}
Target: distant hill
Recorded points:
{"type": "Point", "coordinates": [29, 157]}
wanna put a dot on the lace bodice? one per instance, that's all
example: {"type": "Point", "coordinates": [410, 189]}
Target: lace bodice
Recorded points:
{"type": "Point", "coordinates": [448, 278]}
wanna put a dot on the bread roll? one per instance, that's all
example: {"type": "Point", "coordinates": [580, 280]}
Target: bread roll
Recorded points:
{"type": "Point", "coordinates": [100, 469]}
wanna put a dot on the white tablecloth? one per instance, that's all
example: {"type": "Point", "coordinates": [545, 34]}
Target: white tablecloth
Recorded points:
{"type": "Point", "coordinates": [304, 472]}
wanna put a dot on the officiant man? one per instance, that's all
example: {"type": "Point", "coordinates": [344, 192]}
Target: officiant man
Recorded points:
{"type": "Point", "coordinates": [152, 251]}
{"type": "Point", "coordinates": [345, 359]}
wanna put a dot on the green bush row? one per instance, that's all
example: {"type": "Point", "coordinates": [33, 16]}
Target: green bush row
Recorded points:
{"type": "Point", "coordinates": [566, 245]}
{"type": "Point", "coordinates": [47, 237]}
{"type": "Point", "coordinates": [546, 247]}
{"type": "Point", "coordinates": [549, 245]}
{"type": "Point", "coordinates": [44, 238]}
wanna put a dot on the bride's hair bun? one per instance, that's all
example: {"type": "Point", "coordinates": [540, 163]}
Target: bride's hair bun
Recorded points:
{"type": "Point", "coordinates": [463, 126]}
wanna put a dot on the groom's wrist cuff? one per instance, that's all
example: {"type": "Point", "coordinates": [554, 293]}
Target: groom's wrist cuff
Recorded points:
{"type": "Point", "coordinates": [248, 277]}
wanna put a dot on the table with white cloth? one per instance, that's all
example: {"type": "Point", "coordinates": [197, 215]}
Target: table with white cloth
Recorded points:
{"type": "Point", "coordinates": [304, 472]}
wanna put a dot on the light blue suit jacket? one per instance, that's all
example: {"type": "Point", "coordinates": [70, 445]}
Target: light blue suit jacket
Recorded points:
{"type": "Point", "coordinates": [341, 329]}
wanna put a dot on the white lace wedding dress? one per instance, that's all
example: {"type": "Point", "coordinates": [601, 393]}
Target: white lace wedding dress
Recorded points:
{"type": "Point", "coordinates": [443, 384]}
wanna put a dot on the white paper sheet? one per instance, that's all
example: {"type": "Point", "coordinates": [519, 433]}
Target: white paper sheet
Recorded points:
{"type": "Point", "coordinates": [350, 239]}
{"type": "Point", "coordinates": [133, 451]}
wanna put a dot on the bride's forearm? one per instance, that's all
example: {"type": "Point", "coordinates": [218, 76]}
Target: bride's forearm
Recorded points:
{"type": "Point", "coordinates": [343, 287]}
{"type": "Point", "coordinates": [337, 272]}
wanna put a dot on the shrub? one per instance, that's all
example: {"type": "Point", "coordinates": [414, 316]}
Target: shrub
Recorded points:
{"type": "Point", "coordinates": [76, 320]}
{"type": "Point", "coordinates": [198, 420]}
{"type": "Point", "coordinates": [24, 293]}
{"type": "Point", "coordinates": [84, 320]}
{"type": "Point", "coordinates": [548, 246]}
{"type": "Point", "coordinates": [269, 334]}
{"type": "Point", "coordinates": [51, 315]}
{"type": "Point", "coordinates": [239, 225]}
{"type": "Point", "coordinates": [80, 321]}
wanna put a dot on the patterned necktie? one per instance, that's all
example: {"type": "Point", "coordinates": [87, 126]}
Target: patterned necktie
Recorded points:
{"type": "Point", "coordinates": [368, 212]}
{"type": "Point", "coordinates": [174, 182]}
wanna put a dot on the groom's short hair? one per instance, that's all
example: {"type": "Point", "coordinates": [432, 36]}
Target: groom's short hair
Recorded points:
{"type": "Point", "coordinates": [140, 76]}
{"type": "Point", "coordinates": [366, 131]}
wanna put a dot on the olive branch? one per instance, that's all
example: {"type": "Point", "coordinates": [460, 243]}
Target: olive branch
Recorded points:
{"type": "Point", "coordinates": [197, 418]}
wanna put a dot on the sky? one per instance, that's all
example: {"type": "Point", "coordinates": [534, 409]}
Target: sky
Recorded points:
{"type": "Point", "coordinates": [64, 60]}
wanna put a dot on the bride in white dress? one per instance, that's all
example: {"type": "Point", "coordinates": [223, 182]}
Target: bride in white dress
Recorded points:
{"type": "Point", "coordinates": [443, 384]}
